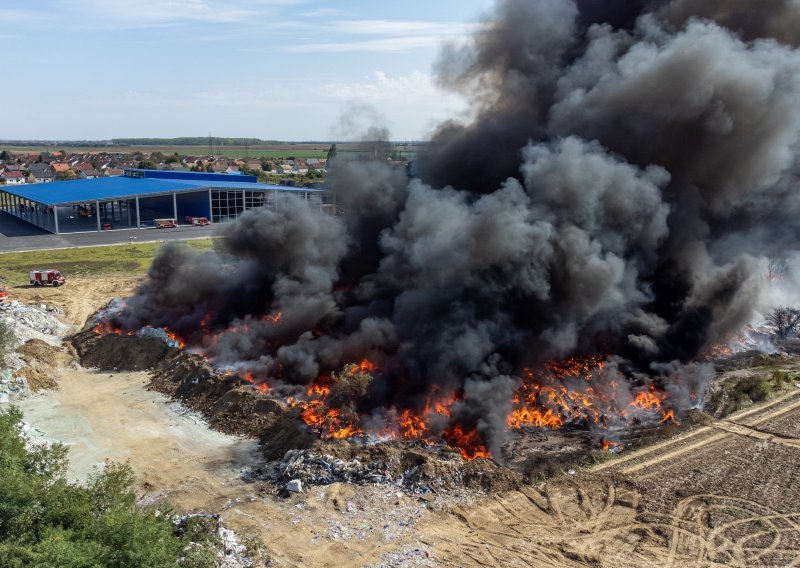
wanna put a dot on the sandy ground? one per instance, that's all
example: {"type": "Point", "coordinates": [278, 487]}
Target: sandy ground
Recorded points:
{"type": "Point", "coordinates": [726, 494]}
{"type": "Point", "coordinates": [102, 416]}
{"type": "Point", "coordinates": [81, 296]}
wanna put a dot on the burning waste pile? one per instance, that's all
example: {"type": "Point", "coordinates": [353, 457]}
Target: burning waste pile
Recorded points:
{"type": "Point", "coordinates": [566, 258]}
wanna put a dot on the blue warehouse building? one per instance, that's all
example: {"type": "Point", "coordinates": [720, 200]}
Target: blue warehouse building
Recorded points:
{"type": "Point", "coordinates": [140, 197]}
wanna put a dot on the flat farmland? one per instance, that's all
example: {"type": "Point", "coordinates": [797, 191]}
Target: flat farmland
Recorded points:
{"type": "Point", "coordinates": [278, 151]}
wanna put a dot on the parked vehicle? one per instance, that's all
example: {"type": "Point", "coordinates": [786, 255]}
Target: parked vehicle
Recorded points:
{"type": "Point", "coordinates": [165, 223]}
{"type": "Point", "coordinates": [50, 276]}
{"type": "Point", "coordinates": [197, 221]}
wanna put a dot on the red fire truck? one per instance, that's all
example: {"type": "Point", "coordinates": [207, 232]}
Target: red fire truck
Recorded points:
{"type": "Point", "coordinates": [50, 276]}
{"type": "Point", "coordinates": [195, 221]}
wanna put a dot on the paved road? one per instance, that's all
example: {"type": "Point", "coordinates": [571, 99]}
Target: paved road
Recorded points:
{"type": "Point", "coordinates": [17, 235]}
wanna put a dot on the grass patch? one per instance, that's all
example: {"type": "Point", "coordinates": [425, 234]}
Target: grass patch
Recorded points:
{"type": "Point", "coordinates": [735, 394]}
{"type": "Point", "coordinates": [127, 258]}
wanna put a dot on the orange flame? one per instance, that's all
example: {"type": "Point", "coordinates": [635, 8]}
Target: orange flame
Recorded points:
{"type": "Point", "coordinates": [669, 416]}
{"type": "Point", "coordinates": [650, 399]}
{"type": "Point", "coordinates": [105, 328]}
{"type": "Point", "coordinates": [717, 351]}
{"type": "Point", "coordinates": [575, 367]}
{"type": "Point", "coordinates": [608, 445]}
{"type": "Point", "coordinates": [412, 426]}
{"type": "Point", "coordinates": [469, 444]}
{"type": "Point", "coordinates": [366, 366]}
{"type": "Point", "coordinates": [174, 337]}
{"type": "Point", "coordinates": [261, 387]}
{"type": "Point", "coordinates": [274, 318]}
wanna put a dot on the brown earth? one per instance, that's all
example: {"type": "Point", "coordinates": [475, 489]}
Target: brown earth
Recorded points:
{"type": "Point", "coordinates": [43, 363]}
{"type": "Point", "coordinates": [725, 493]}
{"type": "Point", "coordinates": [81, 297]}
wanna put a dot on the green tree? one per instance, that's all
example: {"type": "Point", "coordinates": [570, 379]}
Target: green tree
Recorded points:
{"type": "Point", "coordinates": [147, 165]}
{"type": "Point", "coordinates": [332, 152]}
{"type": "Point", "coordinates": [47, 521]}
{"type": "Point", "coordinates": [66, 175]}
{"type": "Point", "coordinates": [4, 155]}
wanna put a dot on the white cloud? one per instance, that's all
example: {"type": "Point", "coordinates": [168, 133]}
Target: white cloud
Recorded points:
{"type": "Point", "coordinates": [408, 104]}
{"type": "Point", "coordinates": [13, 15]}
{"type": "Point", "coordinates": [400, 28]}
{"type": "Point", "coordinates": [398, 35]}
{"type": "Point", "coordinates": [322, 13]}
{"type": "Point", "coordinates": [388, 44]}
{"type": "Point", "coordinates": [149, 12]}
{"type": "Point", "coordinates": [380, 87]}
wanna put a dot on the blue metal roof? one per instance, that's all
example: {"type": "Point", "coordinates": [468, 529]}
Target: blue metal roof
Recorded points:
{"type": "Point", "coordinates": [121, 187]}
{"type": "Point", "coordinates": [193, 176]}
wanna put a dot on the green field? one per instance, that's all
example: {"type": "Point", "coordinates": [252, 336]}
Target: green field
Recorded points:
{"type": "Point", "coordinates": [281, 153]}
{"type": "Point", "coordinates": [277, 151]}
{"type": "Point", "coordinates": [128, 258]}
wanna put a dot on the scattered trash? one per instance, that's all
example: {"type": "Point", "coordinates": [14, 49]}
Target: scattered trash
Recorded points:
{"type": "Point", "coordinates": [571, 471]}
{"type": "Point", "coordinates": [294, 486]}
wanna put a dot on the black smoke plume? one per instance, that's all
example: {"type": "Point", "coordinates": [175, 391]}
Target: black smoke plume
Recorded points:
{"type": "Point", "coordinates": [626, 165]}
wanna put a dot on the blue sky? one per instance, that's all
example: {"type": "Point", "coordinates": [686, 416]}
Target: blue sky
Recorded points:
{"type": "Point", "coordinates": [272, 69]}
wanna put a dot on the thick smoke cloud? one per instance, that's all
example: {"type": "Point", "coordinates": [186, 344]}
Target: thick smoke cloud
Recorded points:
{"type": "Point", "coordinates": [614, 193]}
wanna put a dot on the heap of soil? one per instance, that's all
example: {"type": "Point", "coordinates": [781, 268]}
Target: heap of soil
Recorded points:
{"type": "Point", "coordinates": [42, 364]}
{"type": "Point", "coordinates": [230, 404]}
{"type": "Point", "coordinates": [118, 352]}
{"type": "Point", "coordinates": [747, 360]}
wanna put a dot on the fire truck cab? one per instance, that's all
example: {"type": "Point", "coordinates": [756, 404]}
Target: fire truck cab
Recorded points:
{"type": "Point", "coordinates": [50, 276]}
{"type": "Point", "coordinates": [196, 221]}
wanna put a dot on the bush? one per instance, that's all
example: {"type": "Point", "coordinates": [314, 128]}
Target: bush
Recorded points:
{"type": "Point", "coordinates": [47, 521]}
{"type": "Point", "coordinates": [7, 342]}
{"type": "Point", "coordinates": [736, 394]}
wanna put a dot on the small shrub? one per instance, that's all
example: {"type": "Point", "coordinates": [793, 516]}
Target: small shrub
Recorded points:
{"type": "Point", "coordinates": [8, 341]}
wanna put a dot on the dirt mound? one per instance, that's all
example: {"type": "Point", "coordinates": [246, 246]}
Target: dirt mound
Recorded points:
{"type": "Point", "coordinates": [42, 364]}
{"type": "Point", "coordinates": [230, 404]}
{"type": "Point", "coordinates": [38, 350]}
{"type": "Point", "coordinates": [748, 360]}
{"type": "Point", "coordinates": [119, 352]}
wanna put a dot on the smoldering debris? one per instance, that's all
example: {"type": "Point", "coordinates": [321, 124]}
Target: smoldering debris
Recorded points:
{"type": "Point", "coordinates": [626, 167]}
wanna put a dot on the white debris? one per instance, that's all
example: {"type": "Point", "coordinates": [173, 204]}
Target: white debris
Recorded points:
{"type": "Point", "coordinates": [295, 486]}
{"type": "Point", "coordinates": [33, 322]}
{"type": "Point", "coordinates": [28, 322]}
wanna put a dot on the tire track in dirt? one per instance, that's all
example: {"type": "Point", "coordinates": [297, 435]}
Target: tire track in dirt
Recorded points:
{"type": "Point", "coordinates": [730, 426]}
{"type": "Point", "coordinates": [636, 454]}
{"type": "Point", "coordinates": [603, 519]}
